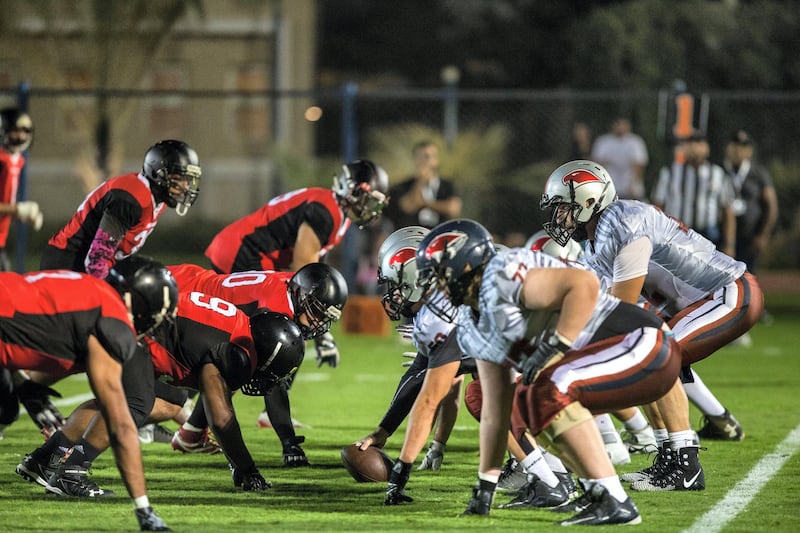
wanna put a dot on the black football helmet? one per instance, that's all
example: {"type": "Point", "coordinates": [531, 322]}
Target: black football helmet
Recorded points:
{"type": "Point", "coordinates": [16, 127]}
{"type": "Point", "coordinates": [450, 258]}
{"type": "Point", "coordinates": [165, 164]}
{"type": "Point", "coordinates": [361, 189]}
{"type": "Point", "coordinates": [148, 289]}
{"type": "Point", "coordinates": [319, 292]}
{"type": "Point", "coordinates": [280, 348]}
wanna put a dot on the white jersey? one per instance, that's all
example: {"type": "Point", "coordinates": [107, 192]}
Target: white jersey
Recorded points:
{"type": "Point", "coordinates": [683, 267]}
{"type": "Point", "coordinates": [429, 330]}
{"type": "Point", "coordinates": [502, 322]}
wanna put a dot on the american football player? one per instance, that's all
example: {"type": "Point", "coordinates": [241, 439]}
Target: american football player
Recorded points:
{"type": "Point", "coordinates": [63, 322]}
{"type": "Point", "coordinates": [313, 297]}
{"type": "Point", "coordinates": [566, 336]}
{"type": "Point", "coordinates": [707, 297]}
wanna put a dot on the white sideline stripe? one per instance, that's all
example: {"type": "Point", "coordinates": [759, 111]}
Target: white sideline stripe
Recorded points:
{"type": "Point", "coordinates": [740, 496]}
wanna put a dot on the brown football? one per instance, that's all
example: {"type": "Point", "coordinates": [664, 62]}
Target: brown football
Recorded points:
{"type": "Point", "coordinates": [367, 466]}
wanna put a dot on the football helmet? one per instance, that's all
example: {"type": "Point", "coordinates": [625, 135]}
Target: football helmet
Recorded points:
{"type": "Point", "coordinates": [16, 127]}
{"type": "Point", "coordinates": [575, 191]}
{"type": "Point", "coordinates": [280, 348]}
{"type": "Point", "coordinates": [541, 241]}
{"type": "Point", "coordinates": [166, 165]}
{"type": "Point", "coordinates": [148, 290]}
{"type": "Point", "coordinates": [319, 292]}
{"type": "Point", "coordinates": [452, 257]}
{"type": "Point", "coordinates": [361, 189]}
{"type": "Point", "coordinates": [397, 267]}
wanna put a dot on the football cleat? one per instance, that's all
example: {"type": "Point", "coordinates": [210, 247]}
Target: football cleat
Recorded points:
{"type": "Point", "coordinates": [604, 509]}
{"type": "Point", "coordinates": [684, 473]}
{"type": "Point", "coordinates": [74, 480]}
{"type": "Point", "coordinates": [642, 441]}
{"type": "Point", "coordinates": [513, 477]}
{"type": "Point", "coordinates": [722, 427]}
{"type": "Point", "coordinates": [566, 479]}
{"type": "Point", "coordinates": [661, 463]}
{"type": "Point", "coordinates": [480, 503]}
{"type": "Point", "coordinates": [188, 441]}
{"type": "Point", "coordinates": [293, 454]}
{"type": "Point", "coordinates": [537, 493]}
{"type": "Point", "coordinates": [616, 450]}
{"type": "Point", "coordinates": [575, 505]}
{"type": "Point", "coordinates": [37, 472]}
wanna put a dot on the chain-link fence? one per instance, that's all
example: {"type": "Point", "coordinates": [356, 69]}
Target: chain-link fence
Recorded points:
{"type": "Point", "coordinates": [499, 146]}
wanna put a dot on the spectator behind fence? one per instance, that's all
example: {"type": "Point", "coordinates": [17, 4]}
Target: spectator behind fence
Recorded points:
{"type": "Point", "coordinates": [624, 154]}
{"type": "Point", "coordinates": [756, 204]}
{"type": "Point", "coordinates": [581, 141]}
{"type": "Point", "coordinates": [424, 199]}
{"type": "Point", "coordinates": [698, 193]}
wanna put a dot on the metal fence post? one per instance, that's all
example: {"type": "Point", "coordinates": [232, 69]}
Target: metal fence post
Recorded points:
{"type": "Point", "coordinates": [21, 231]}
{"type": "Point", "coordinates": [351, 245]}
{"type": "Point", "coordinates": [450, 77]}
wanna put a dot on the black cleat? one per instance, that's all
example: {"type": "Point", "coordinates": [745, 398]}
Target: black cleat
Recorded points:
{"type": "Point", "coordinates": [605, 510]}
{"type": "Point", "coordinates": [513, 477]}
{"type": "Point", "coordinates": [661, 464]}
{"type": "Point", "coordinates": [480, 503]}
{"type": "Point", "coordinates": [74, 480]}
{"type": "Point", "coordinates": [293, 454]}
{"type": "Point", "coordinates": [684, 473]}
{"type": "Point", "coordinates": [722, 427]}
{"type": "Point", "coordinates": [37, 472]}
{"type": "Point", "coordinates": [537, 493]}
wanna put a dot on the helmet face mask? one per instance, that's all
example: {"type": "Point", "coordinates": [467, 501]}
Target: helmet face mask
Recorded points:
{"type": "Point", "coordinates": [318, 293]}
{"type": "Point", "coordinates": [16, 129]}
{"type": "Point", "coordinates": [148, 290]}
{"type": "Point", "coordinates": [361, 189]}
{"type": "Point", "coordinates": [451, 259]}
{"type": "Point", "coordinates": [575, 192]}
{"type": "Point", "coordinates": [280, 348]}
{"type": "Point", "coordinates": [397, 268]}
{"type": "Point", "coordinates": [174, 170]}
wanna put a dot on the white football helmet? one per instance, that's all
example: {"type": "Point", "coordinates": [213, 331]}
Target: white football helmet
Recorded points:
{"type": "Point", "coordinates": [575, 191]}
{"type": "Point", "coordinates": [397, 267]}
{"type": "Point", "coordinates": [541, 241]}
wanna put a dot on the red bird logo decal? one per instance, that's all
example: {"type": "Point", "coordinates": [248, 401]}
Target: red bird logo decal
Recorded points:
{"type": "Point", "coordinates": [445, 245]}
{"type": "Point", "coordinates": [402, 256]}
{"type": "Point", "coordinates": [580, 176]}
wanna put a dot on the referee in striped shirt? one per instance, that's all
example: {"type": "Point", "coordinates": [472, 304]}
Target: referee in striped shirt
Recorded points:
{"type": "Point", "coordinates": [698, 193]}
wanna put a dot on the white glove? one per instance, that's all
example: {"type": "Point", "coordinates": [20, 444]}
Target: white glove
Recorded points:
{"type": "Point", "coordinates": [327, 351]}
{"type": "Point", "coordinates": [30, 213]}
{"type": "Point", "coordinates": [410, 355]}
{"type": "Point", "coordinates": [406, 331]}
{"type": "Point", "coordinates": [433, 459]}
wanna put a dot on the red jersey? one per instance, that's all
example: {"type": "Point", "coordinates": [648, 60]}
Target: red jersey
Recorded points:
{"type": "Point", "coordinates": [46, 319]}
{"type": "Point", "coordinates": [205, 325]}
{"type": "Point", "coordinates": [265, 239]}
{"type": "Point", "coordinates": [129, 199]}
{"type": "Point", "coordinates": [246, 290]}
{"type": "Point", "coordinates": [10, 169]}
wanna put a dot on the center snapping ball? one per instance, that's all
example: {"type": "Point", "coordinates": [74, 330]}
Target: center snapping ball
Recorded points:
{"type": "Point", "coordinates": [367, 466]}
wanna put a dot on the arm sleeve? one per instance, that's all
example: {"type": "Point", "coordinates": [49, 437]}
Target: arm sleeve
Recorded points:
{"type": "Point", "coordinates": [101, 251]}
{"type": "Point", "coordinates": [320, 220]}
{"type": "Point", "coordinates": [405, 395]}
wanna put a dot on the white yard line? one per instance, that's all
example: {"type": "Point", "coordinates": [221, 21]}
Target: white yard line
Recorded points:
{"type": "Point", "coordinates": [743, 493]}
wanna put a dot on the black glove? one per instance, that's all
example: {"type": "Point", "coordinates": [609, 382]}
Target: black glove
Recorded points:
{"type": "Point", "coordinates": [555, 345]}
{"type": "Point", "coordinates": [150, 521]}
{"type": "Point", "coordinates": [327, 351]}
{"type": "Point", "coordinates": [249, 479]}
{"type": "Point", "coordinates": [36, 399]}
{"type": "Point", "coordinates": [293, 454]}
{"type": "Point", "coordinates": [395, 490]}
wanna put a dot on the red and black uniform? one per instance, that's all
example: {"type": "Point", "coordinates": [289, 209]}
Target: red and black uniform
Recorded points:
{"type": "Point", "coordinates": [46, 319]}
{"type": "Point", "coordinates": [248, 291]}
{"type": "Point", "coordinates": [129, 200]}
{"type": "Point", "coordinates": [265, 239]}
{"type": "Point", "coordinates": [11, 165]}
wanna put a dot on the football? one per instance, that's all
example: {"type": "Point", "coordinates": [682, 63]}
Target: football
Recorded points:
{"type": "Point", "coordinates": [367, 466]}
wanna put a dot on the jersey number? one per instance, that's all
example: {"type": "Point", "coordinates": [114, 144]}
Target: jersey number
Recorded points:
{"type": "Point", "coordinates": [218, 305]}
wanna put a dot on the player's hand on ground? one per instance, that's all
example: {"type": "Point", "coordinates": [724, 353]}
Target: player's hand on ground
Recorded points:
{"type": "Point", "coordinates": [327, 351]}
{"type": "Point", "coordinates": [433, 459]}
{"type": "Point", "coordinates": [150, 521]}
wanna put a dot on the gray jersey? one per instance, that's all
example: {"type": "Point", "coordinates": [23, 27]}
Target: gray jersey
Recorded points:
{"type": "Point", "coordinates": [502, 322]}
{"type": "Point", "coordinates": [683, 267]}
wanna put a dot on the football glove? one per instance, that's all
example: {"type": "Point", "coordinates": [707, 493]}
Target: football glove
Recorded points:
{"type": "Point", "coordinates": [249, 479]}
{"type": "Point", "coordinates": [293, 454]}
{"type": "Point", "coordinates": [406, 331]}
{"type": "Point", "coordinates": [30, 213]}
{"type": "Point", "coordinates": [327, 351]}
{"type": "Point", "coordinates": [411, 356]}
{"type": "Point", "coordinates": [36, 399]}
{"type": "Point", "coordinates": [549, 348]}
{"type": "Point", "coordinates": [395, 489]}
{"type": "Point", "coordinates": [433, 459]}
{"type": "Point", "coordinates": [150, 521]}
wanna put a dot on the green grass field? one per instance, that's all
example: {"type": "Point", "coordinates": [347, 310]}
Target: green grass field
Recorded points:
{"type": "Point", "coordinates": [194, 493]}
